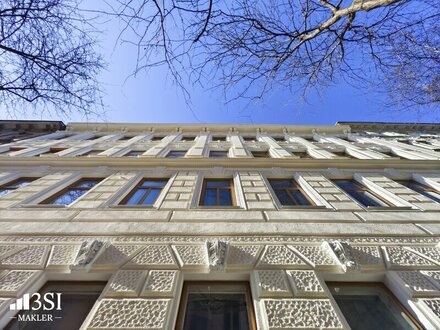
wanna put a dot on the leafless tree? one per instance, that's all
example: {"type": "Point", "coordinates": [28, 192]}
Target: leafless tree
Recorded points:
{"type": "Point", "coordinates": [47, 58]}
{"type": "Point", "coordinates": [254, 45]}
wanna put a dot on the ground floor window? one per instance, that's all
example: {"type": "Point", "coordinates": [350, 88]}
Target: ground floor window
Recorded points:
{"type": "Point", "coordinates": [371, 306]}
{"type": "Point", "coordinates": [77, 299]}
{"type": "Point", "coordinates": [216, 306]}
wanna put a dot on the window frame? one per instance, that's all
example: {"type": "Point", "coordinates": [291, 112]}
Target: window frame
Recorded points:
{"type": "Point", "coordinates": [123, 201]}
{"type": "Point", "coordinates": [425, 189]}
{"type": "Point", "coordinates": [260, 154]}
{"type": "Point", "coordinates": [364, 188]}
{"type": "Point", "coordinates": [179, 151]}
{"type": "Point", "coordinates": [8, 185]}
{"type": "Point", "coordinates": [226, 152]}
{"type": "Point", "coordinates": [231, 189]}
{"type": "Point", "coordinates": [380, 285]}
{"type": "Point", "coordinates": [184, 301]}
{"type": "Point", "coordinates": [47, 201]}
{"type": "Point", "coordinates": [298, 186]}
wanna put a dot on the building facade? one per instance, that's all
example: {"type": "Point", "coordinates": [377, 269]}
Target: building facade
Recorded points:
{"type": "Point", "coordinates": [146, 226]}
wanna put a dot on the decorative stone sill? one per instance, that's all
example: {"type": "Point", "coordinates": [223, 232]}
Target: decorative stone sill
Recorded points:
{"type": "Point", "coordinates": [305, 207]}
{"type": "Point", "coordinates": [389, 208]}
{"type": "Point", "coordinates": [130, 207]}
{"type": "Point", "coordinates": [39, 206]}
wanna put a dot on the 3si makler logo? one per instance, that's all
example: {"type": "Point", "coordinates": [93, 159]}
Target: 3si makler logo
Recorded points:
{"type": "Point", "coordinates": [41, 304]}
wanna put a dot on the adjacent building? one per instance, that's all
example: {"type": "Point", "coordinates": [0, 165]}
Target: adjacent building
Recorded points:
{"type": "Point", "coordinates": [196, 226]}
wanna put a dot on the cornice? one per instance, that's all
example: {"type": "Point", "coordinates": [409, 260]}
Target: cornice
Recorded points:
{"type": "Point", "coordinates": [257, 163]}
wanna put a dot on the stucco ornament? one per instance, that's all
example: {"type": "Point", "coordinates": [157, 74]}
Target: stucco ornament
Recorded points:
{"type": "Point", "coordinates": [216, 254]}
{"type": "Point", "coordinates": [88, 252]}
{"type": "Point", "coordinates": [343, 253]}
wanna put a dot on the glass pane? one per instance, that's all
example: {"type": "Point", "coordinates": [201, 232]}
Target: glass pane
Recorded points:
{"type": "Point", "coordinates": [154, 183]}
{"type": "Point", "coordinates": [210, 198]}
{"type": "Point", "coordinates": [176, 154]}
{"type": "Point", "coordinates": [218, 154]}
{"type": "Point", "coordinates": [217, 183]}
{"type": "Point", "coordinates": [68, 197]}
{"type": "Point", "coordinates": [281, 183]}
{"type": "Point", "coordinates": [152, 196]}
{"type": "Point", "coordinates": [87, 184]}
{"type": "Point", "coordinates": [225, 197]}
{"type": "Point", "coordinates": [136, 197]}
{"type": "Point", "coordinates": [284, 197]}
{"type": "Point", "coordinates": [5, 191]}
{"type": "Point", "coordinates": [433, 195]}
{"type": "Point", "coordinates": [216, 307]}
{"type": "Point", "coordinates": [299, 197]}
{"type": "Point", "coordinates": [367, 308]}
{"type": "Point", "coordinates": [346, 185]}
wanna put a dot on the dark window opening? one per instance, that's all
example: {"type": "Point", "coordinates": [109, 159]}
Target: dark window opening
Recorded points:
{"type": "Point", "coordinates": [72, 193]}
{"type": "Point", "coordinates": [261, 154]}
{"type": "Point", "coordinates": [145, 193]}
{"type": "Point", "coordinates": [289, 193]}
{"type": "Point", "coordinates": [361, 193]}
{"type": "Point", "coordinates": [176, 154]}
{"type": "Point", "coordinates": [217, 192]}
{"type": "Point", "coordinates": [218, 154]}
{"type": "Point", "coordinates": [422, 189]}
{"type": "Point", "coordinates": [14, 185]}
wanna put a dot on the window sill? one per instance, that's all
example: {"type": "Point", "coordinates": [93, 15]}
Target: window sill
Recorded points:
{"type": "Point", "coordinates": [36, 206]}
{"type": "Point", "coordinates": [388, 208]}
{"type": "Point", "coordinates": [304, 207]}
{"type": "Point", "coordinates": [220, 208]}
{"type": "Point", "coordinates": [130, 207]}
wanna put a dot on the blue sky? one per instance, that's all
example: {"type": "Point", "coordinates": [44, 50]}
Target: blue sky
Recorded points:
{"type": "Point", "coordinates": [152, 97]}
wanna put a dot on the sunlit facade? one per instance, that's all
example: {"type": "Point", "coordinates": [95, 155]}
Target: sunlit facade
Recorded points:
{"type": "Point", "coordinates": [197, 226]}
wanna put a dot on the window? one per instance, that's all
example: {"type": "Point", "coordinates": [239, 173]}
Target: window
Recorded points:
{"type": "Point", "coordinates": [422, 189]}
{"type": "Point", "coordinates": [302, 154]}
{"type": "Point", "coordinates": [92, 153]}
{"type": "Point", "coordinates": [261, 154]}
{"type": "Point", "coordinates": [12, 149]}
{"type": "Point", "coordinates": [134, 153]}
{"type": "Point", "coordinates": [216, 305]}
{"type": "Point", "coordinates": [52, 151]}
{"type": "Point", "coordinates": [77, 299]}
{"type": "Point", "coordinates": [15, 184]}
{"type": "Point", "coordinates": [249, 138]}
{"type": "Point", "coordinates": [289, 193]}
{"type": "Point", "coordinates": [94, 137]}
{"type": "Point", "coordinates": [279, 138]}
{"type": "Point", "coordinates": [188, 138]}
{"type": "Point", "coordinates": [176, 154]}
{"type": "Point", "coordinates": [157, 138]}
{"type": "Point", "coordinates": [371, 306]}
{"type": "Point", "coordinates": [217, 192]}
{"type": "Point", "coordinates": [145, 192]}
{"type": "Point", "coordinates": [218, 154]}
{"type": "Point", "coordinates": [343, 154]}
{"type": "Point", "coordinates": [361, 193]}
{"type": "Point", "coordinates": [72, 193]}
{"type": "Point", "coordinates": [218, 138]}
{"type": "Point", "coordinates": [125, 138]}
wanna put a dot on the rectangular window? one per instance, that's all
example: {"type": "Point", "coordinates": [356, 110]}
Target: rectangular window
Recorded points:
{"type": "Point", "coordinates": [14, 185]}
{"type": "Point", "coordinates": [426, 191]}
{"type": "Point", "coordinates": [134, 153]}
{"type": "Point", "coordinates": [52, 151]}
{"type": "Point", "coordinates": [217, 192]}
{"type": "Point", "coordinates": [76, 301]}
{"type": "Point", "coordinates": [176, 154]}
{"type": "Point", "coordinates": [279, 138]}
{"type": "Point", "coordinates": [218, 154]}
{"type": "Point", "coordinates": [249, 138]}
{"type": "Point", "coordinates": [361, 193]}
{"type": "Point", "coordinates": [371, 306]}
{"type": "Point", "coordinates": [145, 193]}
{"type": "Point", "coordinates": [188, 138]}
{"type": "Point", "coordinates": [289, 192]}
{"type": "Point", "coordinates": [92, 153]}
{"type": "Point", "coordinates": [157, 138]}
{"type": "Point", "coordinates": [216, 305]}
{"type": "Point", "coordinates": [219, 138]}
{"type": "Point", "coordinates": [261, 154]}
{"type": "Point", "coordinates": [72, 193]}
{"type": "Point", "coordinates": [126, 138]}
{"type": "Point", "coordinates": [12, 149]}
{"type": "Point", "coordinates": [302, 154]}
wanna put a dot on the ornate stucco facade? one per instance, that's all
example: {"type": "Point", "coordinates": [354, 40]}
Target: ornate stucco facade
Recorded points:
{"type": "Point", "coordinates": [288, 254]}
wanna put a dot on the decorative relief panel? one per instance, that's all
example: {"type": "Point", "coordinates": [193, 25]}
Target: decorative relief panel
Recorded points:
{"type": "Point", "coordinates": [431, 253]}
{"type": "Point", "coordinates": [242, 256]}
{"type": "Point", "coordinates": [16, 281]}
{"type": "Point", "coordinates": [272, 283]}
{"type": "Point", "coordinates": [62, 256]}
{"type": "Point", "coordinates": [8, 250]}
{"type": "Point", "coordinates": [131, 314]}
{"type": "Point", "coordinates": [417, 284]}
{"type": "Point", "coordinates": [317, 257]}
{"type": "Point", "coordinates": [301, 313]}
{"type": "Point", "coordinates": [434, 307]}
{"type": "Point", "coordinates": [161, 283]}
{"type": "Point", "coordinates": [192, 256]}
{"type": "Point", "coordinates": [115, 256]}
{"type": "Point", "coordinates": [31, 257]}
{"type": "Point", "coordinates": [159, 256]}
{"type": "Point", "coordinates": [399, 257]}
{"type": "Point", "coordinates": [305, 283]}
{"type": "Point", "coordinates": [279, 256]}
{"type": "Point", "coordinates": [368, 257]}
{"type": "Point", "coordinates": [126, 283]}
